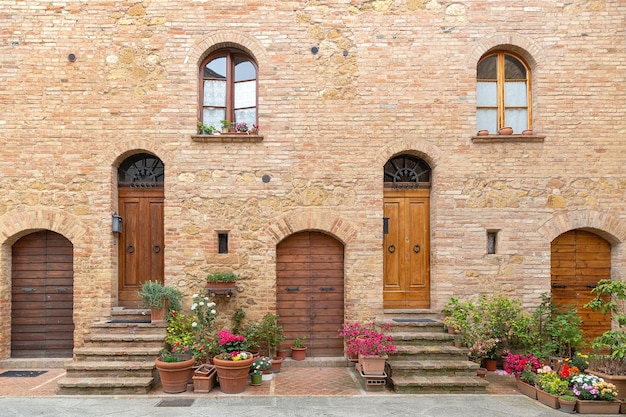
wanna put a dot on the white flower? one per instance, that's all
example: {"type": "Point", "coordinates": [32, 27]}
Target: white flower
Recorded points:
{"type": "Point", "coordinates": [213, 312]}
{"type": "Point", "coordinates": [201, 303]}
{"type": "Point", "coordinates": [194, 306]}
{"type": "Point", "coordinates": [210, 305]}
{"type": "Point", "coordinates": [207, 299]}
{"type": "Point", "coordinates": [195, 296]}
{"type": "Point", "coordinates": [194, 324]}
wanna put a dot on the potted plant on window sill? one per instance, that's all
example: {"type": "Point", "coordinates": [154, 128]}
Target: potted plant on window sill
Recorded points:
{"type": "Point", "coordinates": [160, 299]}
{"type": "Point", "coordinates": [222, 283]}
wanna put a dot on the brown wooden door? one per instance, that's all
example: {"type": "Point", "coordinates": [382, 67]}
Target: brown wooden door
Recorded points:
{"type": "Point", "coordinates": [310, 291]}
{"type": "Point", "coordinates": [579, 260]}
{"type": "Point", "coordinates": [407, 249]}
{"type": "Point", "coordinates": [141, 242]}
{"type": "Point", "coordinates": [42, 278]}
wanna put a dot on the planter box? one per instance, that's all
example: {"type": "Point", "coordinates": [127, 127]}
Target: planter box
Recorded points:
{"type": "Point", "coordinates": [598, 407]}
{"type": "Point", "coordinates": [618, 380]}
{"type": "Point", "coordinates": [550, 400]}
{"type": "Point", "coordinates": [526, 389]}
{"type": "Point", "coordinates": [204, 379]}
{"type": "Point", "coordinates": [221, 288]}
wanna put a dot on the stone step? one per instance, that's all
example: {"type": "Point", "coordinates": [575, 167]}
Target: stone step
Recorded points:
{"type": "Point", "coordinates": [130, 315]}
{"type": "Point", "coordinates": [105, 386]}
{"type": "Point", "coordinates": [125, 339]}
{"type": "Point", "coordinates": [422, 338]}
{"type": "Point", "coordinates": [433, 368]}
{"type": "Point", "coordinates": [128, 328]}
{"type": "Point", "coordinates": [110, 369]}
{"type": "Point", "coordinates": [429, 353]}
{"type": "Point", "coordinates": [438, 384]}
{"type": "Point", "coordinates": [122, 353]}
{"type": "Point", "coordinates": [424, 325]}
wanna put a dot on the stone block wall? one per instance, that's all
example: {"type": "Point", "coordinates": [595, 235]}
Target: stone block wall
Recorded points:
{"type": "Point", "coordinates": [389, 76]}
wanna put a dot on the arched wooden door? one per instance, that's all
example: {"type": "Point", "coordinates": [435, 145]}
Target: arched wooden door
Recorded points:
{"type": "Point", "coordinates": [406, 242]}
{"type": "Point", "coordinates": [310, 291]}
{"type": "Point", "coordinates": [42, 274]}
{"type": "Point", "coordinates": [579, 260]}
{"type": "Point", "coordinates": [141, 243]}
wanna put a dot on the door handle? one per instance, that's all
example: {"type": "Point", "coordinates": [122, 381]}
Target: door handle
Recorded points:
{"type": "Point", "coordinates": [156, 248]}
{"type": "Point", "coordinates": [61, 289]}
{"type": "Point", "coordinates": [559, 286]}
{"type": "Point", "coordinates": [591, 286]}
{"type": "Point", "coordinates": [293, 288]}
{"type": "Point", "coordinates": [130, 248]}
{"type": "Point", "coordinates": [391, 248]}
{"type": "Point", "coordinates": [29, 289]}
{"type": "Point", "coordinates": [327, 288]}
{"type": "Point", "coordinates": [417, 248]}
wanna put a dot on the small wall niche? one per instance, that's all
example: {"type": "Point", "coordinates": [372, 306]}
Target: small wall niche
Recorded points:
{"type": "Point", "coordinates": [492, 241]}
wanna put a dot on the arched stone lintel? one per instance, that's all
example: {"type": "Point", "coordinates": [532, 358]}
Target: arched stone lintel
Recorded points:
{"type": "Point", "coordinates": [601, 223]}
{"type": "Point", "coordinates": [306, 219]}
{"type": "Point", "coordinates": [420, 148]}
{"type": "Point", "coordinates": [16, 224]}
{"type": "Point", "coordinates": [527, 48]}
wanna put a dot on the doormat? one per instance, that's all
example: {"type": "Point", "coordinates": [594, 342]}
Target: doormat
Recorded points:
{"type": "Point", "coordinates": [415, 320]}
{"type": "Point", "coordinates": [178, 402]}
{"type": "Point", "coordinates": [127, 321]}
{"type": "Point", "coordinates": [22, 374]}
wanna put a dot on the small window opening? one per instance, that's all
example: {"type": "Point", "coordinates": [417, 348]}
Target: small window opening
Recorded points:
{"type": "Point", "coordinates": [222, 243]}
{"type": "Point", "coordinates": [491, 241]}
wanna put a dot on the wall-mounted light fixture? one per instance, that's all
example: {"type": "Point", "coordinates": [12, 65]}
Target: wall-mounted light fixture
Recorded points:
{"type": "Point", "coordinates": [117, 223]}
{"type": "Point", "coordinates": [385, 225]}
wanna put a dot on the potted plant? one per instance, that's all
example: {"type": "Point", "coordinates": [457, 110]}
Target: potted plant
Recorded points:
{"type": "Point", "coordinates": [233, 363]}
{"type": "Point", "coordinates": [241, 127]}
{"type": "Point", "coordinates": [176, 360]}
{"type": "Point", "coordinates": [222, 283]}
{"type": "Point", "coordinates": [551, 386]}
{"type": "Point", "coordinates": [204, 129]}
{"type": "Point", "coordinates": [270, 335]}
{"type": "Point", "coordinates": [524, 368]}
{"type": "Point", "coordinates": [160, 299]}
{"type": "Point", "coordinates": [568, 403]}
{"type": "Point", "coordinates": [594, 395]}
{"type": "Point", "coordinates": [261, 366]}
{"type": "Point", "coordinates": [205, 315]}
{"type": "Point", "coordinates": [372, 348]}
{"type": "Point", "coordinates": [298, 350]}
{"type": "Point", "coordinates": [226, 126]}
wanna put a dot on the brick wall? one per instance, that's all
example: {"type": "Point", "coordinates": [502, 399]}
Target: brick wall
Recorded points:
{"type": "Point", "coordinates": [390, 76]}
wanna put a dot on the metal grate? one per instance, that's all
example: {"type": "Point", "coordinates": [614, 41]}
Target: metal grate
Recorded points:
{"type": "Point", "coordinates": [22, 374]}
{"type": "Point", "coordinates": [178, 402]}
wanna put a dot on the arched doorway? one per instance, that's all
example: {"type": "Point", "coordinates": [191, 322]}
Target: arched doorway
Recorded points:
{"type": "Point", "coordinates": [406, 242]}
{"type": "Point", "coordinates": [42, 296]}
{"type": "Point", "coordinates": [310, 291]}
{"type": "Point", "coordinates": [579, 260]}
{"type": "Point", "coordinates": [141, 243]}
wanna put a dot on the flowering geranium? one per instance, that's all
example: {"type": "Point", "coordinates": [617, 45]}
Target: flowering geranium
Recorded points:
{"type": "Point", "coordinates": [484, 348]}
{"type": "Point", "coordinates": [260, 364]}
{"type": "Point", "coordinates": [229, 342]}
{"type": "Point", "coordinates": [516, 363]}
{"type": "Point", "coordinates": [591, 387]}
{"type": "Point", "coordinates": [367, 340]}
{"type": "Point", "coordinates": [241, 127]}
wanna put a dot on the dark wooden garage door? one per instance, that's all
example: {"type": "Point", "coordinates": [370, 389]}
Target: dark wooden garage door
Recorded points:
{"type": "Point", "coordinates": [42, 297]}
{"type": "Point", "coordinates": [310, 291]}
{"type": "Point", "coordinates": [579, 260]}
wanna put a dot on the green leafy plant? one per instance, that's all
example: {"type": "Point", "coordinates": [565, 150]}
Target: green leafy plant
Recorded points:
{"type": "Point", "coordinates": [238, 316]}
{"type": "Point", "coordinates": [204, 129]}
{"type": "Point", "coordinates": [270, 334]}
{"type": "Point", "coordinates": [298, 342]}
{"type": "Point", "coordinates": [608, 294]}
{"type": "Point", "coordinates": [551, 383]}
{"type": "Point", "coordinates": [222, 277]}
{"type": "Point", "coordinates": [153, 294]}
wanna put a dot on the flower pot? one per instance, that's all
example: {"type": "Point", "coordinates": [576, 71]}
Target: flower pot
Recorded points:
{"type": "Point", "coordinates": [276, 364]}
{"type": "Point", "coordinates": [506, 131]}
{"type": "Point", "coordinates": [482, 372]}
{"type": "Point", "coordinates": [528, 390]}
{"type": "Point", "coordinates": [256, 379]}
{"type": "Point", "coordinates": [372, 365]}
{"type": "Point", "coordinates": [221, 288]}
{"type": "Point", "coordinates": [618, 380]}
{"type": "Point", "coordinates": [550, 400]}
{"type": "Point", "coordinates": [567, 406]}
{"type": "Point", "coordinates": [232, 375]}
{"type": "Point", "coordinates": [298, 354]}
{"type": "Point", "coordinates": [597, 407]}
{"type": "Point", "coordinates": [527, 132]}
{"type": "Point", "coordinates": [204, 379]}
{"type": "Point", "coordinates": [281, 354]}
{"type": "Point", "coordinates": [491, 364]}
{"type": "Point", "coordinates": [159, 315]}
{"type": "Point", "coordinates": [175, 375]}
{"type": "Point", "coordinates": [483, 132]}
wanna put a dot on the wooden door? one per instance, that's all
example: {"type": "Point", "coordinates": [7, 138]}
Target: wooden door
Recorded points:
{"type": "Point", "coordinates": [42, 275]}
{"type": "Point", "coordinates": [141, 244]}
{"type": "Point", "coordinates": [407, 249]}
{"type": "Point", "coordinates": [579, 260]}
{"type": "Point", "coordinates": [310, 291]}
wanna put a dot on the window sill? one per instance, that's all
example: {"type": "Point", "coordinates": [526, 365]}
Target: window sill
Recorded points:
{"type": "Point", "coordinates": [227, 138]}
{"type": "Point", "coordinates": [508, 138]}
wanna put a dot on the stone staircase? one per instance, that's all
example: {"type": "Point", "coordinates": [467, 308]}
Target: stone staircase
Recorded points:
{"type": "Point", "coordinates": [426, 360]}
{"type": "Point", "coordinates": [118, 356]}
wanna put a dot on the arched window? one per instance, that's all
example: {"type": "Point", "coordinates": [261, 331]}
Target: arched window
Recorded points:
{"type": "Point", "coordinates": [503, 93]}
{"type": "Point", "coordinates": [406, 171]}
{"type": "Point", "coordinates": [228, 89]}
{"type": "Point", "coordinates": [141, 171]}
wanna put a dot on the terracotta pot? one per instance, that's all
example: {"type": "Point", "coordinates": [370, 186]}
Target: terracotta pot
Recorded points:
{"type": "Point", "coordinates": [567, 406]}
{"type": "Point", "coordinates": [204, 379]}
{"type": "Point", "coordinates": [550, 400]}
{"type": "Point", "coordinates": [597, 407]}
{"type": "Point", "coordinates": [175, 375]}
{"type": "Point", "coordinates": [483, 132]}
{"type": "Point", "coordinates": [527, 132]}
{"type": "Point", "coordinates": [506, 131]}
{"type": "Point", "coordinates": [276, 364]}
{"type": "Point", "coordinates": [298, 354]}
{"type": "Point", "coordinates": [528, 390]}
{"type": "Point", "coordinates": [372, 365]}
{"type": "Point", "coordinates": [281, 354]}
{"type": "Point", "coordinates": [232, 375]}
{"type": "Point", "coordinates": [159, 315]}
{"type": "Point", "coordinates": [618, 380]}
{"type": "Point", "coordinates": [491, 364]}
{"type": "Point", "coordinates": [481, 372]}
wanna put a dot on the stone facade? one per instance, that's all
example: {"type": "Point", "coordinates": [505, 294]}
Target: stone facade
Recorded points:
{"type": "Point", "coordinates": [390, 77]}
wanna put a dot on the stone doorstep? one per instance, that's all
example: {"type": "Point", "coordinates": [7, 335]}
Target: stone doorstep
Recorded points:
{"type": "Point", "coordinates": [443, 367]}
{"type": "Point", "coordinates": [104, 386]}
{"type": "Point", "coordinates": [129, 328]}
{"type": "Point", "coordinates": [422, 338]}
{"type": "Point", "coordinates": [99, 338]}
{"type": "Point", "coordinates": [438, 383]}
{"type": "Point", "coordinates": [34, 363]}
{"type": "Point", "coordinates": [110, 369]}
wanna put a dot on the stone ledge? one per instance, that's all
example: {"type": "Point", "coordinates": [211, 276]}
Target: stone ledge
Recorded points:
{"type": "Point", "coordinates": [227, 138]}
{"type": "Point", "coordinates": [508, 138]}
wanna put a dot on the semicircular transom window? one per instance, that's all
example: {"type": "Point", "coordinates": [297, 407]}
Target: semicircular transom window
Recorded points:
{"type": "Point", "coordinates": [141, 171]}
{"type": "Point", "coordinates": [406, 171]}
